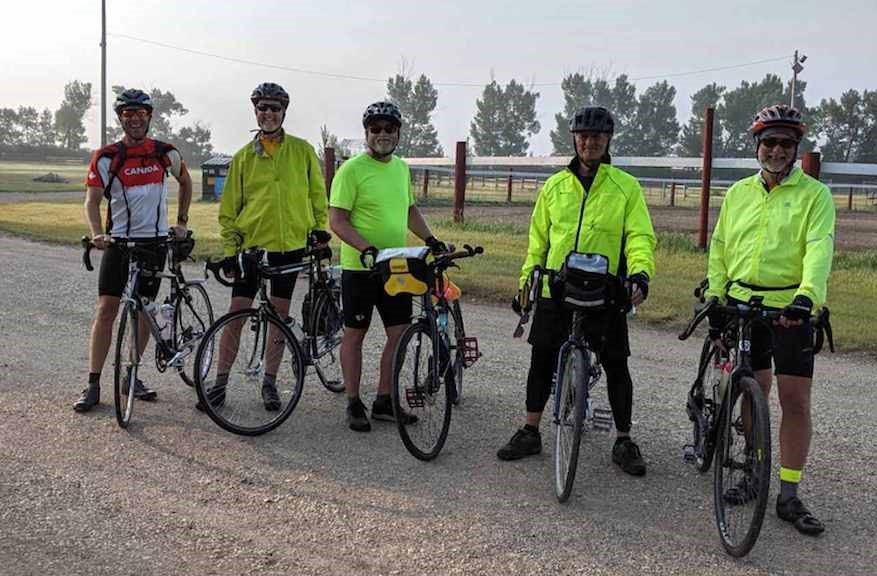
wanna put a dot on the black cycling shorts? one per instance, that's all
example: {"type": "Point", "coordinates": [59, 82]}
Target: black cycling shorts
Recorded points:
{"type": "Point", "coordinates": [361, 292]}
{"type": "Point", "coordinates": [606, 331]}
{"type": "Point", "coordinates": [280, 287]}
{"type": "Point", "coordinates": [113, 275]}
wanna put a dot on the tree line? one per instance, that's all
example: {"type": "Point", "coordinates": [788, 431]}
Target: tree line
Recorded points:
{"type": "Point", "coordinates": [843, 129]}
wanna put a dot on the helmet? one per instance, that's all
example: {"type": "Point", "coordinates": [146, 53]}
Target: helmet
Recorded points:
{"type": "Point", "coordinates": [592, 119]}
{"type": "Point", "coordinates": [778, 116]}
{"type": "Point", "coordinates": [383, 109]}
{"type": "Point", "coordinates": [270, 91]}
{"type": "Point", "coordinates": [132, 98]}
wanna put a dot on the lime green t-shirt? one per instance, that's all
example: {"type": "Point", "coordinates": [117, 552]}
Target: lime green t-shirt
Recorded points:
{"type": "Point", "coordinates": [377, 195]}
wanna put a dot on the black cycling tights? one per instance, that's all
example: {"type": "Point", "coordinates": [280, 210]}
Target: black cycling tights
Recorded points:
{"type": "Point", "coordinates": [619, 385]}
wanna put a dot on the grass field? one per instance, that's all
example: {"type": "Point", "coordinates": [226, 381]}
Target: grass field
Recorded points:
{"type": "Point", "coordinates": [493, 277]}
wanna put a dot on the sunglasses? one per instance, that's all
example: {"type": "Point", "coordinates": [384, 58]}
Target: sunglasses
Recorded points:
{"type": "Point", "coordinates": [391, 129]}
{"type": "Point", "coordinates": [786, 143]}
{"type": "Point", "coordinates": [132, 112]}
{"type": "Point", "coordinates": [269, 107]}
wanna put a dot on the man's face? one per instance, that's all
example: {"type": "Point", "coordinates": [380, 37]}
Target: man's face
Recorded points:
{"type": "Point", "coordinates": [269, 114]}
{"type": "Point", "coordinates": [382, 136]}
{"type": "Point", "coordinates": [776, 149]}
{"type": "Point", "coordinates": [591, 146]}
{"type": "Point", "coordinates": [135, 122]}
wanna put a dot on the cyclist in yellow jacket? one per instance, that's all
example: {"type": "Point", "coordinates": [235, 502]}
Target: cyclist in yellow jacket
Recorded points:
{"type": "Point", "coordinates": [775, 239]}
{"type": "Point", "coordinates": [602, 207]}
{"type": "Point", "coordinates": [274, 198]}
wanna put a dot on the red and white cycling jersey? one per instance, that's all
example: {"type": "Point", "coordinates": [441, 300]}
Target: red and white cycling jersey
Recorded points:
{"type": "Point", "coordinates": [138, 192]}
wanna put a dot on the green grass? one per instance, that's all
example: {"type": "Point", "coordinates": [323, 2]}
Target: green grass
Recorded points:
{"type": "Point", "coordinates": [18, 177]}
{"type": "Point", "coordinates": [493, 277]}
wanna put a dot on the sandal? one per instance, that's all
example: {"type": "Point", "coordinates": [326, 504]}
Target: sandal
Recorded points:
{"type": "Point", "coordinates": [794, 511]}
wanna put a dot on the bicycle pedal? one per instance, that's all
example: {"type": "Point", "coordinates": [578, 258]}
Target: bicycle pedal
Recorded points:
{"type": "Point", "coordinates": [471, 354]}
{"type": "Point", "coordinates": [602, 419]}
{"type": "Point", "coordinates": [414, 397]}
{"type": "Point", "coordinates": [688, 455]}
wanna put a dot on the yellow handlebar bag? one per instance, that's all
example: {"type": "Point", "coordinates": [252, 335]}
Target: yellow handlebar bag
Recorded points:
{"type": "Point", "coordinates": [404, 271]}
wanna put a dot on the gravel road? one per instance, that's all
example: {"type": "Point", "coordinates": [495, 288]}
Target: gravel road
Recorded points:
{"type": "Point", "coordinates": [176, 495]}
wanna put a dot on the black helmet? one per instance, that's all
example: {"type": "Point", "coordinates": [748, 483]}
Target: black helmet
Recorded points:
{"type": "Point", "coordinates": [592, 119]}
{"type": "Point", "coordinates": [778, 116]}
{"type": "Point", "coordinates": [383, 109]}
{"type": "Point", "coordinates": [132, 98]}
{"type": "Point", "coordinates": [270, 91]}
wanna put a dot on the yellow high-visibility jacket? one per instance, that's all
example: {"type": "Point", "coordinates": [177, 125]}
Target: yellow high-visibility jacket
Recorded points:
{"type": "Point", "coordinates": [778, 239]}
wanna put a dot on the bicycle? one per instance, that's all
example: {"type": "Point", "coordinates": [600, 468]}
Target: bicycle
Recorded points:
{"type": "Point", "coordinates": [184, 315]}
{"type": "Point", "coordinates": [731, 423]}
{"type": "Point", "coordinates": [422, 386]}
{"type": "Point", "coordinates": [228, 398]}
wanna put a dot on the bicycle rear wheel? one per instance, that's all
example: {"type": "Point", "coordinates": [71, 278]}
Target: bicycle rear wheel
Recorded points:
{"type": "Point", "coordinates": [571, 393]}
{"type": "Point", "coordinates": [193, 316]}
{"type": "Point", "coordinates": [326, 329]}
{"type": "Point", "coordinates": [419, 389]}
{"type": "Point", "coordinates": [456, 334]}
{"type": "Point", "coordinates": [741, 480]}
{"type": "Point", "coordinates": [127, 363]}
{"type": "Point", "coordinates": [233, 388]}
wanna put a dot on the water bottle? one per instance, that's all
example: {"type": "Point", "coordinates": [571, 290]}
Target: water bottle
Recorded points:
{"type": "Point", "coordinates": [296, 329]}
{"type": "Point", "coordinates": [151, 308]}
{"type": "Point", "coordinates": [723, 368]}
{"type": "Point", "coordinates": [166, 321]}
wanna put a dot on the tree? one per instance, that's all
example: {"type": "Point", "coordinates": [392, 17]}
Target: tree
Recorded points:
{"type": "Point", "coordinates": [68, 118]}
{"type": "Point", "coordinates": [654, 129]}
{"type": "Point", "coordinates": [330, 140]}
{"type": "Point", "coordinates": [46, 128]}
{"type": "Point", "coordinates": [578, 91]}
{"type": "Point", "coordinates": [194, 144]}
{"type": "Point", "coordinates": [740, 105]}
{"type": "Point", "coordinates": [29, 123]}
{"type": "Point", "coordinates": [691, 139]}
{"type": "Point", "coordinates": [417, 101]}
{"type": "Point", "coordinates": [504, 120]}
{"type": "Point", "coordinates": [10, 133]}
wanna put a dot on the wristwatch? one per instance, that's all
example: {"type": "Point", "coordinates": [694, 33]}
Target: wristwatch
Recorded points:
{"type": "Point", "coordinates": [182, 220]}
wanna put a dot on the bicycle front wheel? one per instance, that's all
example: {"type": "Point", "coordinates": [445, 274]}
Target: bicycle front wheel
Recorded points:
{"type": "Point", "coordinates": [456, 335]}
{"type": "Point", "coordinates": [419, 390]}
{"type": "Point", "coordinates": [570, 398]}
{"type": "Point", "coordinates": [704, 427]}
{"type": "Point", "coordinates": [326, 329]}
{"type": "Point", "coordinates": [252, 372]}
{"type": "Point", "coordinates": [193, 316]}
{"type": "Point", "coordinates": [127, 363]}
{"type": "Point", "coordinates": [741, 480]}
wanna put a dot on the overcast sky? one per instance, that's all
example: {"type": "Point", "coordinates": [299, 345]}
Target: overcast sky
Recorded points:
{"type": "Point", "coordinates": [45, 44]}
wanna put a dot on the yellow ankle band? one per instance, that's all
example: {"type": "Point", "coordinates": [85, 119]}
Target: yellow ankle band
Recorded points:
{"type": "Point", "coordinates": [789, 475]}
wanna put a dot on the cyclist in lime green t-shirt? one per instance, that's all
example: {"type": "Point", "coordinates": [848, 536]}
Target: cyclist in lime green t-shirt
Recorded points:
{"type": "Point", "coordinates": [371, 206]}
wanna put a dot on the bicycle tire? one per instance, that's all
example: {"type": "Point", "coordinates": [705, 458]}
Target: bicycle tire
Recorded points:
{"type": "Point", "coordinates": [191, 322]}
{"type": "Point", "coordinates": [327, 325]}
{"type": "Point", "coordinates": [127, 362]}
{"type": "Point", "coordinates": [234, 407]}
{"type": "Point", "coordinates": [756, 460]}
{"type": "Point", "coordinates": [458, 352]}
{"type": "Point", "coordinates": [419, 389]}
{"type": "Point", "coordinates": [571, 395]}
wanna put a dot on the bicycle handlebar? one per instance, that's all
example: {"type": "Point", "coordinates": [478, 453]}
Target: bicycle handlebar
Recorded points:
{"type": "Point", "coordinates": [752, 310]}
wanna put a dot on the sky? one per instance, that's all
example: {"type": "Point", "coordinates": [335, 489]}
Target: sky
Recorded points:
{"type": "Point", "coordinates": [45, 44]}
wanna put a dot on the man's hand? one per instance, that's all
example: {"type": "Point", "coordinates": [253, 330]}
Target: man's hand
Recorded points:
{"type": "Point", "coordinates": [367, 257]}
{"type": "Point", "coordinates": [717, 322]}
{"type": "Point", "coordinates": [797, 312]}
{"type": "Point", "coordinates": [102, 241]}
{"type": "Point", "coordinates": [436, 245]}
{"type": "Point", "coordinates": [320, 238]}
{"type": "Point", "coordinates": [230, 267]}
{"type": "Point", "coordinates": [638, 288]}
{"type": "Point", "coordinates": [180, 231]}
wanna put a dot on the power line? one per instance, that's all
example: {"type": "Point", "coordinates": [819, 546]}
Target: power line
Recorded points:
{"type": "Point", "coordinates": [383, 80]}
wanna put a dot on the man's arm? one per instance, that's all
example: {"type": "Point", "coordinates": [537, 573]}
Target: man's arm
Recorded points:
{"type": "Point", "coordinates": [417, 224]}
{"type": "Point", "coordinates": [93, 198]}
{"type": "Point", "coordinates": [184, 199]}
{"type": "Point", "coordinates": [339, 221]}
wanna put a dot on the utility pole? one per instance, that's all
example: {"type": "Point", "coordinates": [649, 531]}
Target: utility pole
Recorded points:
{"type": "Point", "coordinates": [103, 73]}
{"type": "Point", "coordinates": [796, 69]}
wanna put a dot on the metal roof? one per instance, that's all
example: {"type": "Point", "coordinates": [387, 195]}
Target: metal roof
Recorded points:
{"type": "Point", "coordinates": [217, 162]}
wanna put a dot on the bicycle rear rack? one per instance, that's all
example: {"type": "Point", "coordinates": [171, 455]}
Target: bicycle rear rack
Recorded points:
{"type": "Point", "coordinates": [471, 353]}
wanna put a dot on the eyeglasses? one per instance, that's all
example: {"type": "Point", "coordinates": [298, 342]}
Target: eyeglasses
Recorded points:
{"type": "Point", "coordinates": [132, 112]}
{"type": "Point", "coordinates": [786, 143]}
{"type": "Point", "coordinates": [389, 129]}
{"type": "Point", "coordinates": [269, 107]}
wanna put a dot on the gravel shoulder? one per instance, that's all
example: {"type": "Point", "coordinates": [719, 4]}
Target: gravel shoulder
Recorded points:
{"type": "Point", "coordinates": [177, 495]}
